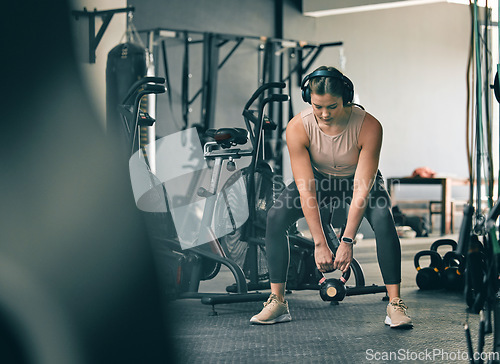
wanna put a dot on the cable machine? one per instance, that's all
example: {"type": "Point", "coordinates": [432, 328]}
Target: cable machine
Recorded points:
{"type": "Point", "coordinates": [478, 237]}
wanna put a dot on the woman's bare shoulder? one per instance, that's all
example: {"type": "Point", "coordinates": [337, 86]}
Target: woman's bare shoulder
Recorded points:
{"type": "Point", "coordinates": [371, 124]}
{"type": "Point", "coordinates": [295, 131]}
{"type": "Point", "coordinates": [371, 131]}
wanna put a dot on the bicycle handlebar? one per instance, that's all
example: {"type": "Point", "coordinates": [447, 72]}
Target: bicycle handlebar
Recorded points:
{"type": "Point", "coordinates": [154, 88]}
{"type": "Point", "coordinates": [276, 97]}
{"type": "Point", "coordinates": [142, 81]}
{"type": "Point", "coordinates": [262, 89]}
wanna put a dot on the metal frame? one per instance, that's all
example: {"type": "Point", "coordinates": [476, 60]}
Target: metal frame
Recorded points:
{"type": "Point", "coordinates": [106, 16]}
{"type": "Point", "coordinates": [271, 52]}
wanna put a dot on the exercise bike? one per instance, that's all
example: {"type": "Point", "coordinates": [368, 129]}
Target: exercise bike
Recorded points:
{"type": "Point", "coordinates": [246, 245]}
{"type": "Point", "coordinates": [201, 261]}
{"type": "Point", "coordinates": [243, 249]}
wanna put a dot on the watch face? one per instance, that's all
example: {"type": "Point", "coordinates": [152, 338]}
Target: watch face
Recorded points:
{"type": "Point", "coordinates": [347, 240]}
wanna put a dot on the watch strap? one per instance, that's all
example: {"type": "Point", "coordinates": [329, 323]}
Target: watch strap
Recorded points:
{"type": "Point", "coordinates": [348, 240]}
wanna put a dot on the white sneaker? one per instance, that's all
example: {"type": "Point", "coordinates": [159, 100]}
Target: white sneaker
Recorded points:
{"type": "Point", "coordinates": [274, 311]}
{"type": "Point", "coordinates": [396, 314]}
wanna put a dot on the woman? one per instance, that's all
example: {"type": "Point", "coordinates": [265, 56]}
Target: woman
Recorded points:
{"type": "Point", "coordinates": [334, 149]}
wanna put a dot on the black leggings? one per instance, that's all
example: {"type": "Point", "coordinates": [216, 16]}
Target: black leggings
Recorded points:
{"type": "Point", "coordinates": [334, 191]}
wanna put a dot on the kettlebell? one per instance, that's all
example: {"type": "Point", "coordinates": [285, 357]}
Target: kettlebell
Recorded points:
{"type": "Point", "coordinates": [429, 277]}
{"type": "Point", "coordinates": [443, 242]}
{"type": "Point", "coordinates": [333, 289]}
{"type": "Point", "coordinates": [453, 268]}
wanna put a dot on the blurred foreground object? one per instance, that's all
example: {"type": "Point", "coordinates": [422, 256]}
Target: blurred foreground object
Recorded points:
{"type": "Point", "coordinates": [77, 277]}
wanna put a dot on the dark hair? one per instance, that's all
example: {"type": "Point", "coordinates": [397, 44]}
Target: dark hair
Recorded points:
{"type": "Point", "coordinates": [328, 85]}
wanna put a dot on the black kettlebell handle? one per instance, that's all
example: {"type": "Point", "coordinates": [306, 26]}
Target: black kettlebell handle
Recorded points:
{"type": "Point", "coordinates": [453, 259]}
{"type": "Point", "coordinates": [436, 260]}
{"type": "Point", "coordinates": [343, 279]}
{"type": "Point", "coordinates": [444, 242]}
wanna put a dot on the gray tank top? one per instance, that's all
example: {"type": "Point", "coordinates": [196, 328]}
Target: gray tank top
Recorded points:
{"type": "Point", "coordinates": [334, 155]}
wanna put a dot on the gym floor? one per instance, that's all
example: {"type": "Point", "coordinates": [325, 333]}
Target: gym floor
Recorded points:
{"type": "Point", "coordinates": [351, 332]}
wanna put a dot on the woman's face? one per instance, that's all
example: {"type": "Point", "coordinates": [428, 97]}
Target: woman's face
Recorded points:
{"type": "Point", "coordinates": [327, 107]}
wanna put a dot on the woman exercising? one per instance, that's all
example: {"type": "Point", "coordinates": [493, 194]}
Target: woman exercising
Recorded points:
{"type": "Point", "coordinates": [334, 149]}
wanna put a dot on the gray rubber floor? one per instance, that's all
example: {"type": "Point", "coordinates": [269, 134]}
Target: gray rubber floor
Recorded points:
{"type": "Point", "coordinates": [351, 332]}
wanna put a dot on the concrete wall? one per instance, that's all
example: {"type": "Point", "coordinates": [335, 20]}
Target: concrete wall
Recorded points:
{"type": "Point", "coordinates": [239, 77]}
{"type": "Point", "coordinates": [408, 66]}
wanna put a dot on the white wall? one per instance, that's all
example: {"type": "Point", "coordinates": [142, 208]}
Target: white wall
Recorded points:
{"type": "Point", "coordinates": [408, 66]}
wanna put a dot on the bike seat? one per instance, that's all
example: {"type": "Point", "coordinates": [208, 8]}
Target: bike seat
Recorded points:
{"type": "Point", "coordinates": [227, 137]}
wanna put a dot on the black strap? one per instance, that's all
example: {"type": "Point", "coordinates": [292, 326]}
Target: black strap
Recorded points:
{"type": "Point", "coordinates": [185, 81]}
{"type": "Point", "coordinates": [290, 104]}
{"type": "Point", "coordinates": [167, 82]}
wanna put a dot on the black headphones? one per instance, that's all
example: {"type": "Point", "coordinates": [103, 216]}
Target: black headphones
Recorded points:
{"type": "Point", "coordinates": [348, 89]}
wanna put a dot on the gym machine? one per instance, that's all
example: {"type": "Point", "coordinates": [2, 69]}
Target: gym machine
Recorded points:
{"type": "Point", "coordinates": [248, 266]}
{"type": "Point", "coordinates": [478, 236]}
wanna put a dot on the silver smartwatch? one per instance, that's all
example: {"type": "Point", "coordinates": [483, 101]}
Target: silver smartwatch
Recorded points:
{"type": "Point", "coordinates": [348, 240]}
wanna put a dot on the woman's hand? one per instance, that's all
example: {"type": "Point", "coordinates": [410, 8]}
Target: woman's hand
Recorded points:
{"type": "Point", "coordinates": [324, 258]}
{"type": "Point", "coordinates": [343, 258]}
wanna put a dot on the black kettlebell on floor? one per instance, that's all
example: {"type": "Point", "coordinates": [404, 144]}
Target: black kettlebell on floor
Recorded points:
{"type": "Point", "coordinates": [429, 277]}
{"type": "Point", "coordinates": [453, 268]}
{"type": "Point", "coordinates": [333, 289]}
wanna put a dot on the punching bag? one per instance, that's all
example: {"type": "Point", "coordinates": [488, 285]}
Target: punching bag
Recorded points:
{"type": "Point", "coordinates": [127, 63]}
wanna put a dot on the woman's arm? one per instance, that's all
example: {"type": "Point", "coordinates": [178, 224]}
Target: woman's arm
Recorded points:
{"type": "Point", "coordinates": [370, 142]}
{"type": "Point", "coordinates": [297, 143]}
